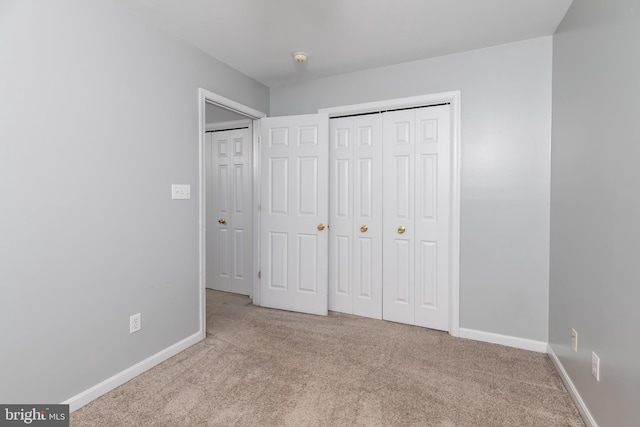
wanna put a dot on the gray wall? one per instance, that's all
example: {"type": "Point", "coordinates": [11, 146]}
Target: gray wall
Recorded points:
{"type": "Point", "coordinates": [595, 204]}
{"type": "Point", "coordinates": [215, 114]}
{"type": "Point", "coordinates": [98, 117]}
{"type": "Point", "coordinates": [506, 127]}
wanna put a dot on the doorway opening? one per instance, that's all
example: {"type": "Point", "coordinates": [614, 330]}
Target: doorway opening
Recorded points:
{"type": "Point", "coordinates": [220, 115]}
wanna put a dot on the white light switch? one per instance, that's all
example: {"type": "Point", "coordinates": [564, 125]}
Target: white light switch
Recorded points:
{"type": "Point", "coordinates": [180, 191]}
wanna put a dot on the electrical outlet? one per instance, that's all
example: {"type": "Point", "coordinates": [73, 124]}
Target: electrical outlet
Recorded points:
{"type": "Point", "coordinates": [135, 323]}
{"type": "Point", "coordinates": [574, 340]}
{"type": "Point", "coordinates": [595, 365]}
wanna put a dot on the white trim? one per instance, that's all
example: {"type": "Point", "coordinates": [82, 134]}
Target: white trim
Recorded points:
{"type": "Point", "coordinates": [79, 400]}
{"type": "Point", "coordinates": [228, 125]}
{"type": "Point", "coordinates": [202, 212]}
{"type": "Point", "coordinates": [509, 341]}
{"type": "Point", "coordinates": [205, 96]}
{"type": "Point", "coordinates": [456, 153]}
{"type": "Point", "coordinates": [453, 98]}
{"type": "Point", "coordinates": [257, 131]}
{"type": "Point", "coordinates": [573, 391]}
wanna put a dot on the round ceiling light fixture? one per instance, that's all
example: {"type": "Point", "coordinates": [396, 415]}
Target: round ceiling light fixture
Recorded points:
{"type": "Point", "coordinates": [300, 57]}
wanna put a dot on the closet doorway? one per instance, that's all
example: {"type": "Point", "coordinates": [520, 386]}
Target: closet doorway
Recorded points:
{"type": "Point", "coordinates": [394, 210]}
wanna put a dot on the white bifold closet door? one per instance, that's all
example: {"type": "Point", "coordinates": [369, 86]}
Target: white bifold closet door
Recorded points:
{"type": "Point", "coordinates": [416, 216]}
{"type": "Point", "coordinates": [229, 210]}
{"type": "Point", "coordinates": [294, 213]}
{"type": "Point", "coordinates": [355, 238]}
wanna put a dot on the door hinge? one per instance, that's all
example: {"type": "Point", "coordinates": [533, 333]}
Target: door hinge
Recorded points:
{"type": "Point", "coordinates": [259, 140]}
{"type": "Point", "coordinates": [259, 207]}
{"type": "Point", "coordinates": [259, 274]}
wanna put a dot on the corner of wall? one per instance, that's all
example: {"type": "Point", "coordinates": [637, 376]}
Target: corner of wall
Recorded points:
{"type": "Point", "coordinates": [571, 388]}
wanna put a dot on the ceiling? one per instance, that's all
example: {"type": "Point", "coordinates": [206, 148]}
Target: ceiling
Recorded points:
{"type": "Point", "coordinates": [258, 37]}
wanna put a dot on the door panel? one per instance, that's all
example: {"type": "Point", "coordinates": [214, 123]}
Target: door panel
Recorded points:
{"type": "Point", "coordinates": [341, 139]}
{"type": "Point", "coordinates": [416, 257]}
{"type": "Point", "coordinates": [228, 210]}
{"type": "Point", "coordinates": [356, 215]}
{"type": "Point", "coordinates": [432, 225]}
{"type": "Point", "coordinates": [294, 248]}
{"type": "Point", "coordinates": [277, 273]}
{"type": "Point", "coordinates": [398, 234]}
{"type": "Point", "coordinates": [367, 212]}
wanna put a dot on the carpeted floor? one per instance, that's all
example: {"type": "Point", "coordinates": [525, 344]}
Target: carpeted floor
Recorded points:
{"type": "Point", "coordinates": [262, 367]}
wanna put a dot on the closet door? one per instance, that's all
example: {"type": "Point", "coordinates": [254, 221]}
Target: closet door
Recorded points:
{"type": "Point", "coordinates": [355, 265]}
{"type": "Point", "coordinates": [341, 141]}
{"type": "Point", "coordinates": [416, 225]}
{"type": "Point", "coordinates": [399, 205]}
{"type": "Point", "coordinates": [229, 211]}
{"type": "Point", "coordinates": [432, 217]}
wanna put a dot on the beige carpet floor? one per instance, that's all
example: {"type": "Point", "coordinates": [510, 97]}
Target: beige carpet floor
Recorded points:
{"type": "Point", "coordinates": [262, 367]}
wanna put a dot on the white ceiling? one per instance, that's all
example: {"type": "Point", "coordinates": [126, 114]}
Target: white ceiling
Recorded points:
{"type": "Point", "coordinates": [258, 37]}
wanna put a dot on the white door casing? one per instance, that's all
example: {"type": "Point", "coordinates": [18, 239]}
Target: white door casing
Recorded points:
{"type": "Point", "coordinates": [417, 224]}
{"type": "Point", "coordinates": [294, 213]}
{"type": "Point", "coordinates": [355, 248]}
{"type": "Point", "coordinates": [229, 216]}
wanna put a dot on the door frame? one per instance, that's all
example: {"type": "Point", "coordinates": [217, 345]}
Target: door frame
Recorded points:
{"type": "Point", "coordinates": [452, 98]}
{"type": "Point", "coordinates": [205, 96]}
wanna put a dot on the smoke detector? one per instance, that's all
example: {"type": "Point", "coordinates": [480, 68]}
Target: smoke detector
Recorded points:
{"type": "Point", "coordinates": [300, 57]}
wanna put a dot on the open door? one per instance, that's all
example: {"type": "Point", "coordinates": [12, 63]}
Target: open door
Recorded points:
{"type": "Point", "coordinates": [294, 212]}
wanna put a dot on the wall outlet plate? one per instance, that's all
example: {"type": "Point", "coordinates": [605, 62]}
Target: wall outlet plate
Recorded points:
{"type": "Point", "coordinates": [574, 340]}
{"type": "Point", "coordinates": [135, 323]}
{"type": "Point", "coordinates": [180, 191]}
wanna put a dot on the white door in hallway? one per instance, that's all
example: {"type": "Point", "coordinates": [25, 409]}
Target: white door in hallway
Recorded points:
{"type": "Point", "coordinates": [416, 216]}
{"type": "Point", "coordinates": [355, 238]}
{"type": "Point", "coordinates": [229, 210]}
{"type": "Point", "coordinates": [294, 213]}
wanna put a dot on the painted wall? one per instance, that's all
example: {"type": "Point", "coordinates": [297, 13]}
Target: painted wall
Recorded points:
{"type": "Point", "coordinates": [506, 121]}
{"type": "Point", "coordinates": [98, 117]}
{"type": "Point", "coordinates": [595, 204]}
{"type": "Point", "coordinates": [215, 114]}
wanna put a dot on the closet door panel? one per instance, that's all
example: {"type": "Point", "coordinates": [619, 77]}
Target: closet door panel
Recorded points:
{"type": "Point", "coordinates": [341, 140]}
{"type": "Point", "coordinates": [432, 222]}
{"type": "Point", "coordinates": [367, 216]}
{"type": "Point", "coordinates": [398, 223]}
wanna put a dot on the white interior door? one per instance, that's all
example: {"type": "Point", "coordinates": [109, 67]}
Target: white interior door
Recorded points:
{"type": "Point", "coordinates": [294, 213]}
{"type": "Point", "coordinates": [229, 210]}
{"type": "Point", "coordinates": [417, 188]}
{"type": "Point", "coordinates": [355, 238]}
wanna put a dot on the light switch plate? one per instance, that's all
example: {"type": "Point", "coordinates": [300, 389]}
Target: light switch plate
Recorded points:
{"type": "Point", "coordinates": [180, 191]}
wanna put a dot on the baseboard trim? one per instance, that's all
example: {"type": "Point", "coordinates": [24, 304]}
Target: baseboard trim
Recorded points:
{"type": "Point", "coordinates": [81, 399]}
{"type": "Point", "coordinates": [523, 343]}
{"type": "Point", "coordinates": [573, 391]}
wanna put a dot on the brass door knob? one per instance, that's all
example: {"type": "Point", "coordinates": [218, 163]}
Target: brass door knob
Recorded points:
{"type": "Point", "coordinates": [321, 226]}
{"type": "Point", "coordinates": [364, 228]}
{"type": "Point", "coordinates": [401, 229]}
{"type": "Point", "coordinates": [222, 221]}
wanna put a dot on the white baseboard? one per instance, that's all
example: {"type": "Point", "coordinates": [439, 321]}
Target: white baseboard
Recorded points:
{"type": "Point", "coordinates": [81, 399]}
{"type": "Point", "coordinates": [577, 399]}
{"type": "Point", "coordinates": [523, 343]}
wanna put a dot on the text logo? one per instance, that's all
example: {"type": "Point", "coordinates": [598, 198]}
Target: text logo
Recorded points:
{"type": "Point", "coordinates": [34, 415]}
